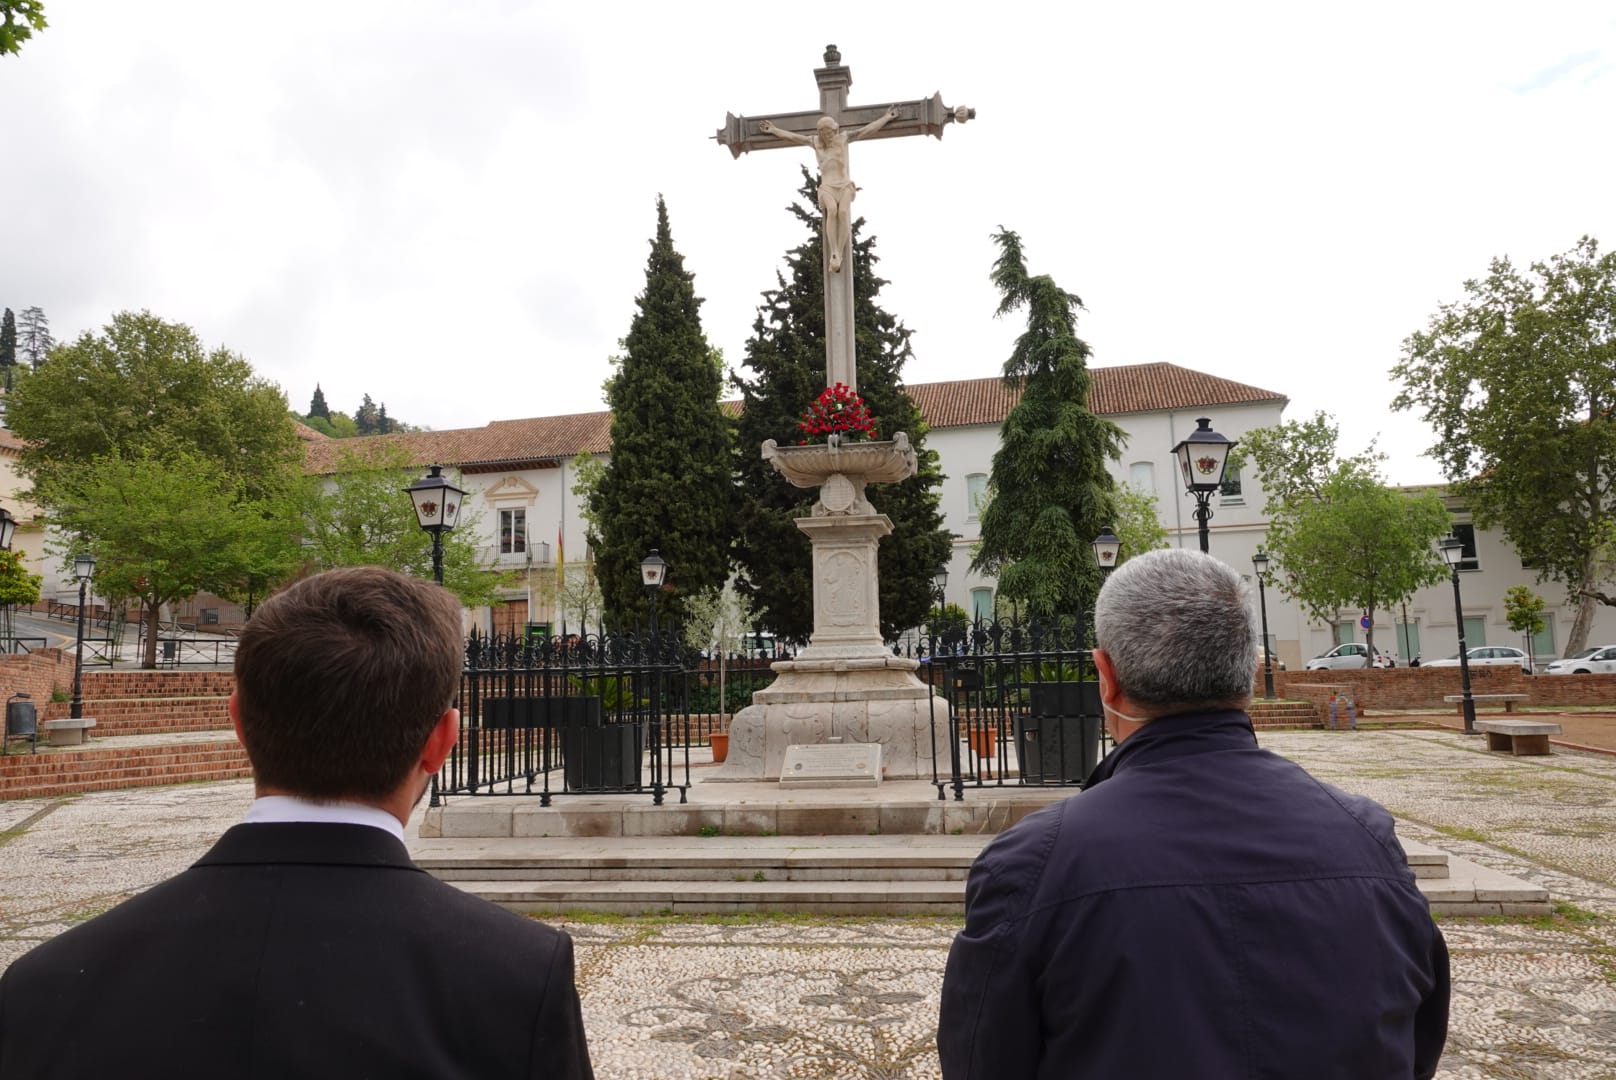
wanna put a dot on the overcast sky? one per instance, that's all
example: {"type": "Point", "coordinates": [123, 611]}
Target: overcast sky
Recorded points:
{"type": "Point", "coordinates": [448, 205]}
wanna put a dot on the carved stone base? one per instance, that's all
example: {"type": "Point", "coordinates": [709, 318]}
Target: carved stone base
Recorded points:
{"type": "Point", "coordinates": [876, 699]}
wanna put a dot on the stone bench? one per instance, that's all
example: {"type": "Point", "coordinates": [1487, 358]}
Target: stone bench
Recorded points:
{"type": "Point", "coordinates": [1509, 700]}
{"type": "Point", "coordinates": [68, 732]}
{"type": "Point", "coordinates": [1524, 738]}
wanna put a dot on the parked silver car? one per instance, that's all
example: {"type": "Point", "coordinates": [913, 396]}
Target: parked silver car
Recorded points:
{"type": "Point", "coordinates": [1600, 659]}
{"type": "Point", "coordinates": [1353, 654]}
{"type": "Point", "coordinates": [1489, 656]}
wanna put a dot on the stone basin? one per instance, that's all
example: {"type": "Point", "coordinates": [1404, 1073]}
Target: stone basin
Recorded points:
{"type": "Point", "coordinates": [841, 471]}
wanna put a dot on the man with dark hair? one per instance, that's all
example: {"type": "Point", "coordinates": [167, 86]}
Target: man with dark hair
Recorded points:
{"type": "Point", "coordinates": [1202, 908]}
{"type": "Point", "coordinates": [306, 943]}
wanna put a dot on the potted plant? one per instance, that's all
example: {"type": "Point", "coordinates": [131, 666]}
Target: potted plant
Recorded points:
{"type": "Point", "coordinates": [718, 621]}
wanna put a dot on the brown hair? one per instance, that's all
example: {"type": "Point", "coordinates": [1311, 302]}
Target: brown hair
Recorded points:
{"type": "Point", "coordinates": [340, 678]}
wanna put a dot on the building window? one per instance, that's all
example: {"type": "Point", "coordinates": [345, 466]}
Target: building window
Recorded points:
{"type": "Point", "coordinates": [976, 493]}
{"type": "Point", "coordinates": [1408, 640]}
{"type": "Point", "coordinates": [513, 531]}
{"type": "Point", "coordinates": [1543, 640]}
{"type": "Point", "coordinates": [982, 604]}
{"type": "Point", "coordinates": [1142, 476]}
{"type": "Point", "coordinates": [1345, 632]}
{"type": "Point", "coordinates": [1230, 490]}
{"type": "Point", "coordinates": [1467, 537]}
{"type": "Point", "coordinates": [1475, 630]}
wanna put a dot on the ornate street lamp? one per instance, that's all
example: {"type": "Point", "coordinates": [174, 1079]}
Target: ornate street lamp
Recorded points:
{"type": "Point", "coordinates": [939, 587]}
{"type": "Point", "coordinates": [84, 570]}
{"type": "Point", "coordinates": [1202, 457]}
{"type": "Point", "coordinates": [437, 510]}
{"type": "Point", "coordinates": [8, 528]}
{"type": "Point", "coordinates": [1259, 563]}
{"type": "Point", "coordinates": [1107, 550]}
{"type": "Point", "coordinates": [1452, 549]}
{"type": "Point", "coordinates": [653, 573]}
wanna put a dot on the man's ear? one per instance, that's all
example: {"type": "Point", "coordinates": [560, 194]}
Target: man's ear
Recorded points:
{"type": "Point", "coordinates": [1107, 674]}
{"type": "Point", "coordinates": [445, 733]}
{"type": "Point", "coordinates": [234, 705]}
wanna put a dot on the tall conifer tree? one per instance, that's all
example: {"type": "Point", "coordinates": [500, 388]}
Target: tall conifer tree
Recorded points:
{"type": "Point", "coordinates": [317, 405]}
{"type": "Point", "coordinates": [668, 483]}
{"type": "Point", "coordinates": [1051, 490]}
{"type": "Point", "coordinates": [786, 359]}
{"type": "Point", "coordinates": [8, 345]}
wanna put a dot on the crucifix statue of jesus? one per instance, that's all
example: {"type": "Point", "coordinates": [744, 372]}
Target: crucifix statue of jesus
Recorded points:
{"type": "Point", "coordinates": [828, 130]}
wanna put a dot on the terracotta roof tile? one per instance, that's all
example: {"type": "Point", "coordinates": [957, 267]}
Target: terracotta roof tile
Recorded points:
{"type": "Point", "coordinates": [1116, 390]}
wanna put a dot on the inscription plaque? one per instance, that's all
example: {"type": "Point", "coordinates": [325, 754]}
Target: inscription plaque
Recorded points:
{"type": "Point", "coordinates": [832, 765]}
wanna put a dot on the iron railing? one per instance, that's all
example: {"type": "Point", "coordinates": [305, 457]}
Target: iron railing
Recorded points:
{"type": "Point", "coordinates": [1023, 703]}
{"type": "Point", "coordinates": [571, 714]}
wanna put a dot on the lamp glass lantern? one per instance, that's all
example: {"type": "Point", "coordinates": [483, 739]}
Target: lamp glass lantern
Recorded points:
{"type": "Point", "coordinates": [8, 528]}
{"type": "Point", "coordinates": [939, 578]}
{"type": "Point", "coordinates": [84, 566]}
{"type": "Point", "coordinates": [437, 501]}
{"type": "Point", "coordinates": [1259, 563]}
{"type": "Point", "coordinates": [653, 571]}
{"type": "Point", "coordinates": [1107, 549]}
{"type": "Point", "coordinates": [1452, 549]}
{"type": "Point", "coordinates": [1202, 457]}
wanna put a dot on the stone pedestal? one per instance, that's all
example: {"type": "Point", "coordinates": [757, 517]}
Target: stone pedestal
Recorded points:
{"type": "Point", "coordinates": [846, 684]}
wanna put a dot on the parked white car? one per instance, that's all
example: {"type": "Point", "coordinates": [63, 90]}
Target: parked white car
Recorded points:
{"type": "Point", "coordinates": [1489, 656]}
{"type": "Point", "coordinates": [1353, 654]}
{"type": "Point", "coordinates": [1601, 659]}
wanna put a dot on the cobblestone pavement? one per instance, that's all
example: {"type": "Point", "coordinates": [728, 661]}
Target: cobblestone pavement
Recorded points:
{"type": "Point", "coordinates": [806, 997]}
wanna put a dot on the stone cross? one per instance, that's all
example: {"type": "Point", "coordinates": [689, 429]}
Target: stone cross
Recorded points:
{"type": "Point", "coordinates": [922, 116]}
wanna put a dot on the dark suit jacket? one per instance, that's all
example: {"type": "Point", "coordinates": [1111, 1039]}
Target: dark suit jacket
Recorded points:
{"type": "Point", "coordinates": [297, 950]}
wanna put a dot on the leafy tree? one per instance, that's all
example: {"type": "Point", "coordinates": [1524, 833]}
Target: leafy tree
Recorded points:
{"type": "Point", "coordinates": [21, 19]}
{"type": "Point", "coordinates": [1518, 382]}
{"type": "Point", "coordinates": [667, 484]}
{"type": "Point", "coordinates": [148, 385]}
{"type": "Point", "coordinates": [34, 339]}
{"type": "Point", "coordinates": [786, 360]}
{"type": "Point", "coordinates": [360, 516]}
{"type": "Point", "coordinates": [162, 524]}
{"type": "Point", "coordinates": [8, 344]}
{"type": "Point", "coordinates": [317, 405]}
{"type": "Point", "coordinates": [721, 620]}
{"type": "Point", "coordinates": [17, 586]}
{"type": "Point", "coordinates": [1052, 491]}
{"type": "Point", "coordinates": [1341, 538]}
{"type": "Point", "coordinates": [338, 425]}
{"type": "Point", "coordinates": [365, 417]}
{"type": "Point", "coordinates": [1523, 610]}
{"type": "Point", "coordinates": [1137, 522]}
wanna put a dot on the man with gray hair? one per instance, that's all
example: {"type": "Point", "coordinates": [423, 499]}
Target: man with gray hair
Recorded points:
{"type": "Point", "coordinates": [1203, 908]}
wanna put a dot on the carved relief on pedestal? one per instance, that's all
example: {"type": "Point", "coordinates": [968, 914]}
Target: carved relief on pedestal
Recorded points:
{"type": "Point", "coordinates": [843, 586]}
{"type": "Point", "coordinates": [802, 724]}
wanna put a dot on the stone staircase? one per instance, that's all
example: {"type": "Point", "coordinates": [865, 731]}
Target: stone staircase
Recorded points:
{"type": "Point", "coordinates": [1282, 714]}
{"type": "Point", "coordinates": [749, 848]}
{"type": "Point", "coordinates": [128, 762]}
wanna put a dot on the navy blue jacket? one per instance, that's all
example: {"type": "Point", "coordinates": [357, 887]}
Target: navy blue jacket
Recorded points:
{"type": "Point", "coordinates": [1202, 909]}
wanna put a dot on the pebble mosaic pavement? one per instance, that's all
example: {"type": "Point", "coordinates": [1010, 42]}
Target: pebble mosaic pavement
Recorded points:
{"type": "Point", "coordinates": [810, 998]}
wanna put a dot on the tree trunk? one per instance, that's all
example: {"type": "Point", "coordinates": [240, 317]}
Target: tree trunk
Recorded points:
{"type": "Point", "coordinates": [1587, 607]}
{"type": "Point", "coordinates": [154, 623]}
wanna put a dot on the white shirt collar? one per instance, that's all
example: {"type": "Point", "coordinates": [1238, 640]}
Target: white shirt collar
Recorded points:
{"type": "Point", "coordinates": [283, 808]}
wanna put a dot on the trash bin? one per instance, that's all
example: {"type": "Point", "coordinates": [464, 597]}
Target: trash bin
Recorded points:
{"type": "Point", "coordinates": [171, 649]}
{"type": "Point", "coordinates": [598, 756]}
{"type": "Point", "coordinates": [22, 722]}
{"type": "Point", "coordinates": [1058, 741]}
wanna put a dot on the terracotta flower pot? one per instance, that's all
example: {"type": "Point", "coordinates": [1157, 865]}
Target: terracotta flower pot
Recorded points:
{"type": "Point", "coordinates": [720, 744]}
{"type": "Point", "coordinates": [985, 745]}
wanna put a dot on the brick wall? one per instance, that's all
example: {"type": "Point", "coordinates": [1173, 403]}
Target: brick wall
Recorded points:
{"type": "Point", "coordinates": [1424, 687]}
{"type": "Point", "coordinates": [36, 673]}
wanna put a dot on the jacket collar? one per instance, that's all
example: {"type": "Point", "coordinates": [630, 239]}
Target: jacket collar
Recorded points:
{"type": "Point", "coordinates": [309, 843]}
{"type": "Point", "coordinates": [1168, 737]}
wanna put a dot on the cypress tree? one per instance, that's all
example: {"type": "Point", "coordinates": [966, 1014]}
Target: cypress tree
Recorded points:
{"type": "Point", "coordinates": [317, 405]}
{"type": "Point", "coordinates": [1051, 490]}
{"type": "Point", "coordinates": [8, 345]}
{"type": "Point", "coordinates": [667, 484]}
{"type": "Point", "coordinates": [786, 358]}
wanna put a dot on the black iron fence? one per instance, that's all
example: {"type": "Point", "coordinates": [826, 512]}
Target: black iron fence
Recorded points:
{"type": "Point", "coordinates": [1023, 703]}
{"type": "Point", "coordinates": [569, 715]}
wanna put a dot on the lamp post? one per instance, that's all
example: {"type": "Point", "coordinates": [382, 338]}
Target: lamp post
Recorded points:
{"type": "Point", "coordinates": [1259, 563]}
{"type": "Point", "coordinates": [8, 528]}
{"type": "Point", "coordinates": [1452, 549]}
{"type": "Point", "coordinates": [653, 572]}
{"type": "Point", "coordinates": [84, 570]}
{"type": "Point", "coordinates": [437, 510]}
{"type": "Point", "coordinates": [1202, 457]}
{"type": "Point", "coordinates": [939, 589]}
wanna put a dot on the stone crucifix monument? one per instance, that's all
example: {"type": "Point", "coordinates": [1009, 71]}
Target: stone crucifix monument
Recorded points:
{"type": "Point", "coordinates": [846, 687]}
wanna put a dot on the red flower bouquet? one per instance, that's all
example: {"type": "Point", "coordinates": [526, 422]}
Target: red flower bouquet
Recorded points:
{"type": "Point", "coordinates": [838, 411]}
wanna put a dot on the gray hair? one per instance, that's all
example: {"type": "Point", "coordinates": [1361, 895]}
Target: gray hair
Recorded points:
{"type": "Point", "coordinates": [1179, 629]}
